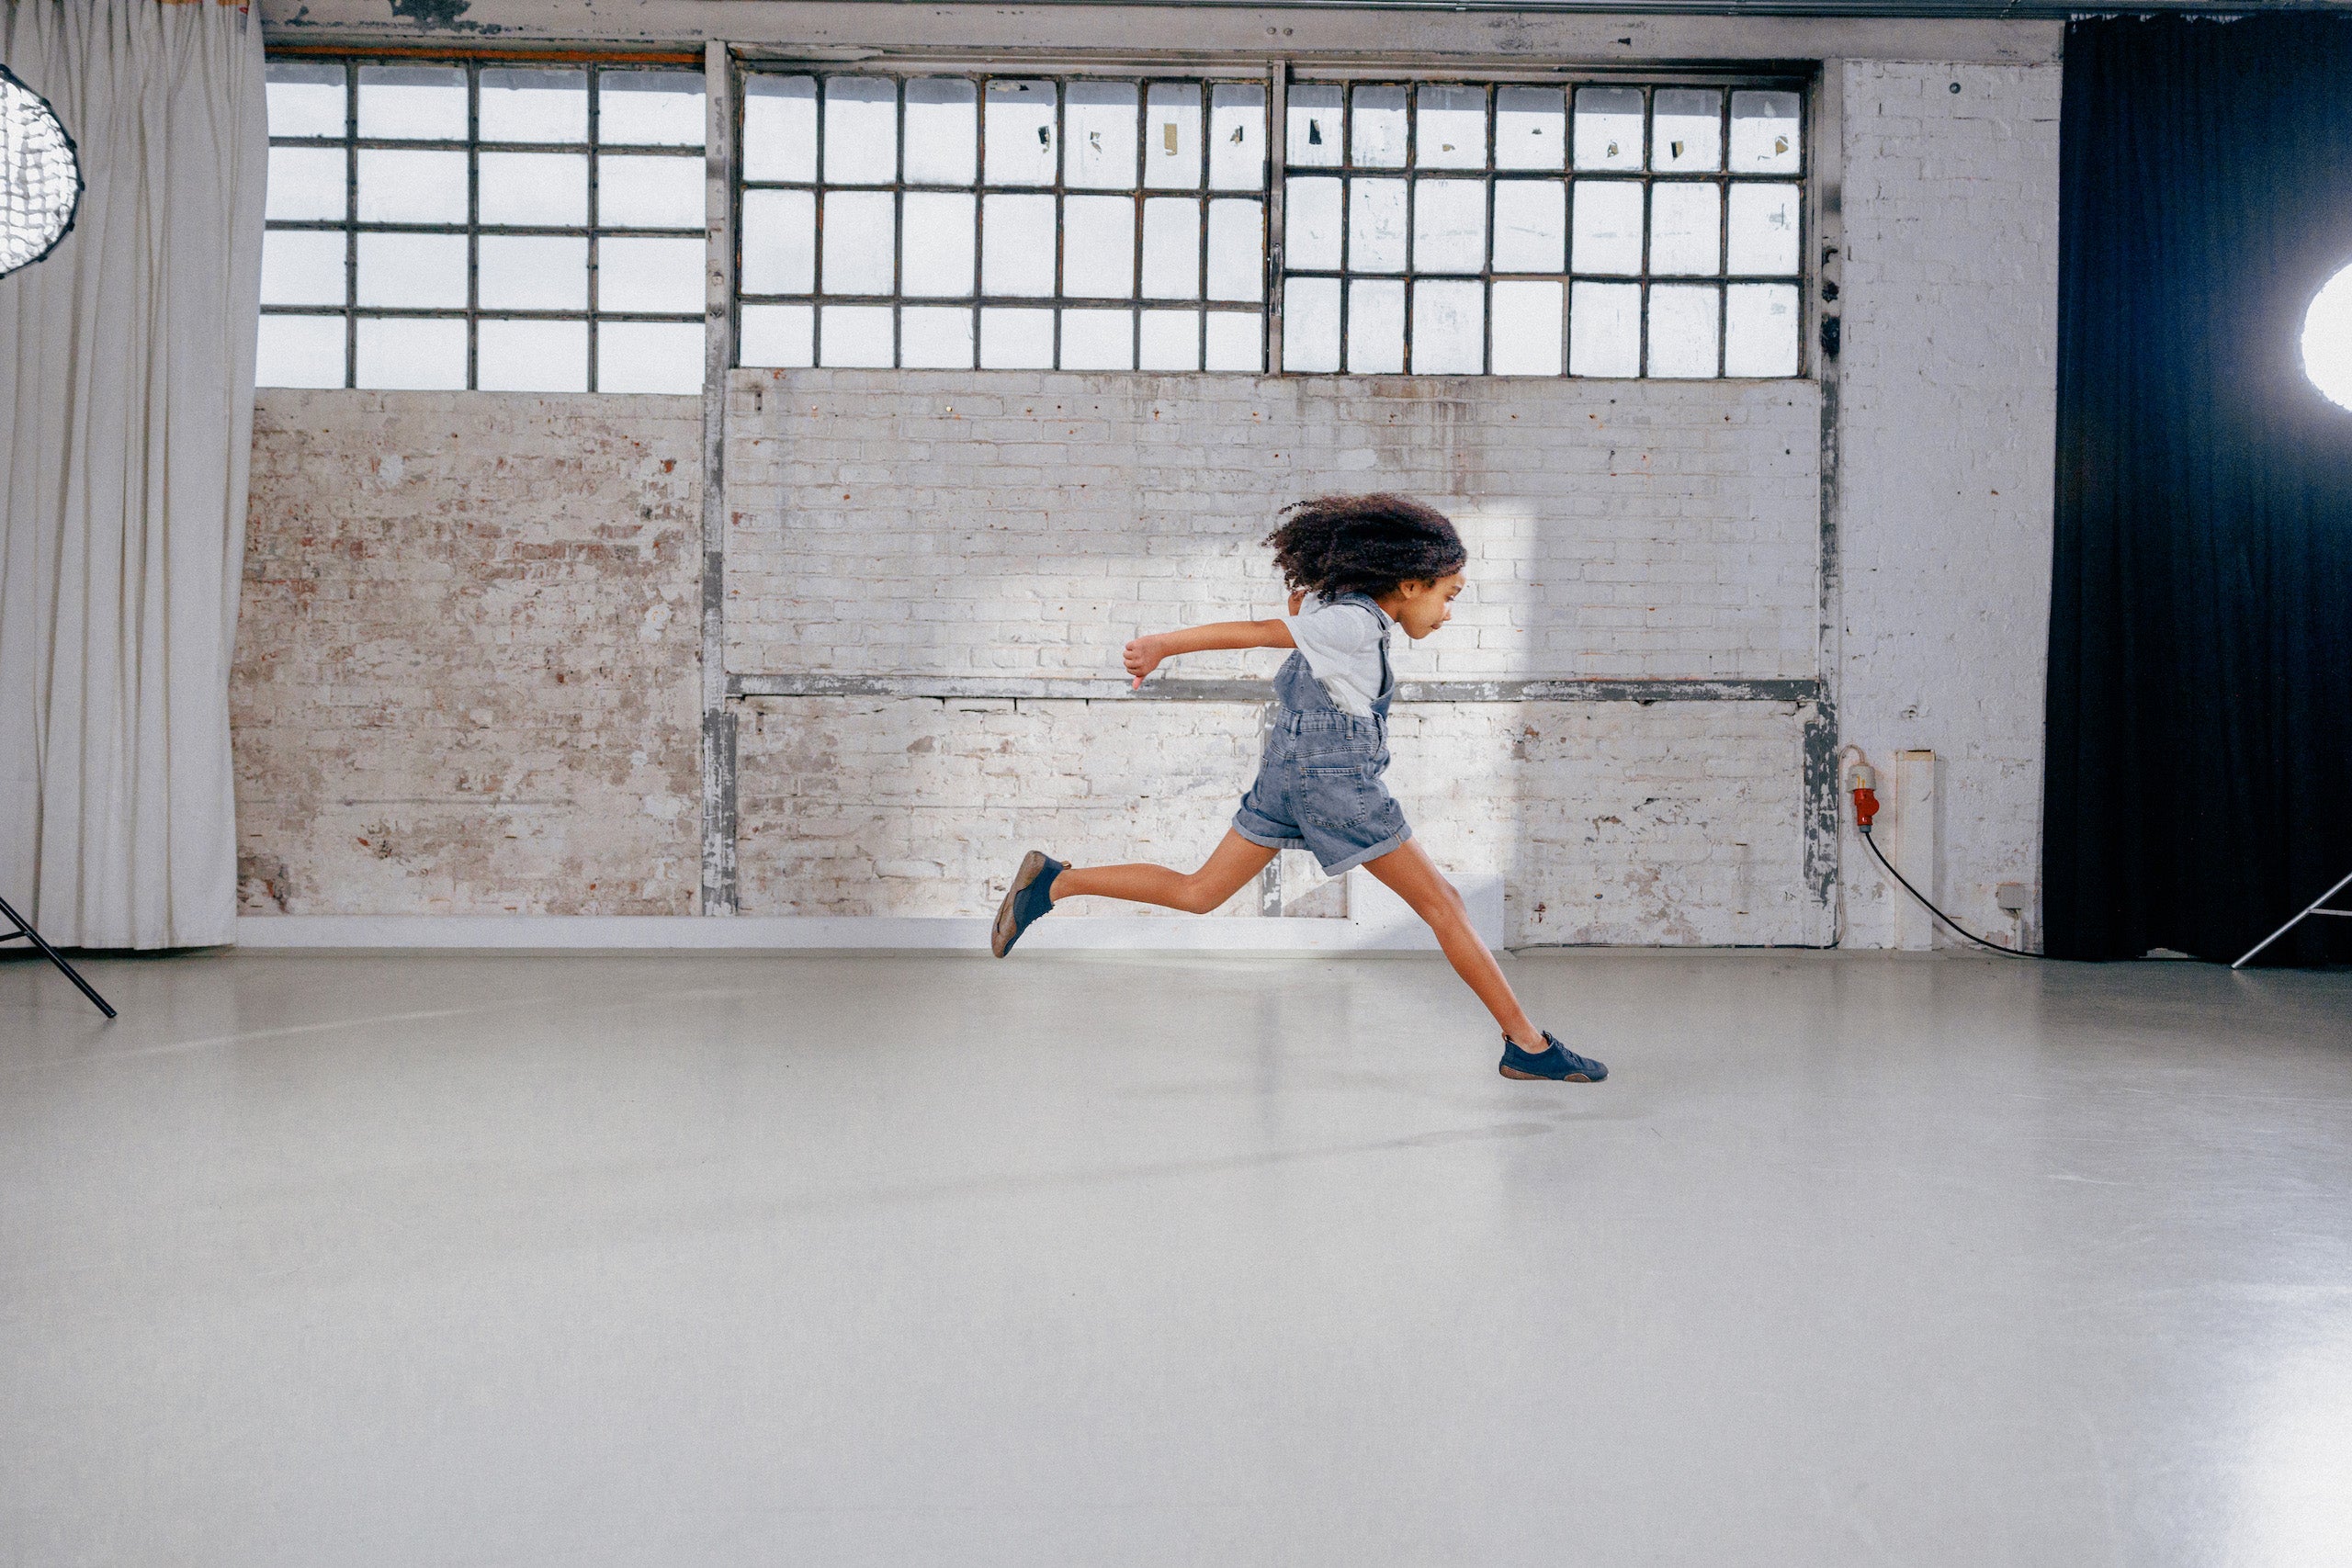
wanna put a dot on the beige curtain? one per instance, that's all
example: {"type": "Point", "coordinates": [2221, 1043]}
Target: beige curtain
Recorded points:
{"type": "Point", "coordinates": [127, 377]}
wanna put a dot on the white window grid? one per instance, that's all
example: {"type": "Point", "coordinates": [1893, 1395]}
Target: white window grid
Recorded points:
{"type": "Point", "coordinates": [1148, 252]}
{"type": "Point", "coordinates": [1354, 145]}
{"type": "Point", "coordinates": [579, 297]}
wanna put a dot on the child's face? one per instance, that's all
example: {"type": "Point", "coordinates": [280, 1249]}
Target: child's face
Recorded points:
{"type": "Point", "coordinates": [1421, 607]}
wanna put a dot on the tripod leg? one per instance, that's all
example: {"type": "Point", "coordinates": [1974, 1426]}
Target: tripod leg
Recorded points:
{"type": "Point", "coordinates": [25, 929]}
{"type": "Point", "coordinates": [2291, 925]}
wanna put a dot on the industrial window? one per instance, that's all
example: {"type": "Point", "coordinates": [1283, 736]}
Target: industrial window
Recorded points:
{"type": "Point", "coordinates": [1003, 222]}
{"type": "Point", "coordinates": [1615, 230]}
{"type": "Point", "coordinates": [534, 227]}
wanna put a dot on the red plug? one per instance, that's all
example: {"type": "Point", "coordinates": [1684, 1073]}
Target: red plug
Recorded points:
{"type": "Point", "coordinates": [1863, 783]}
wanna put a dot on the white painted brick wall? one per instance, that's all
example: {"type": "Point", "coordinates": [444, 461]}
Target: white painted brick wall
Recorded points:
{"type": "Point", "coordinates": [1010, 522]}
{"type": "Point", "coordinates": [1948, 421]}
{"type": "Point", "coordinates": [1611, 822]}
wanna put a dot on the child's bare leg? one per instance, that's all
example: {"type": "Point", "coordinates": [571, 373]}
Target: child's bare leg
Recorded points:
{"type": "Point", "coordinates": [1410, 871]}
{"type": "Point", "coordinates": [1230, 865]}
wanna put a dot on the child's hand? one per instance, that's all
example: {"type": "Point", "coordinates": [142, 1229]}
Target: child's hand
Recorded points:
{"type": "Point", "coordinates": [1297, 597]}
{"type": "Point", "coordinates": [1142, 657]}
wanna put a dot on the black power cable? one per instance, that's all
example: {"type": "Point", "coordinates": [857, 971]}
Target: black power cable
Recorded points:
{"type": "Point", "coordinates": [1991, 947]}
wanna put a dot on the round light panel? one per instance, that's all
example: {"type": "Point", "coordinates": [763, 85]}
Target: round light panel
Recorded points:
{"type": "Point", "coordinates": [2327, 339]}
{"type": "Point", "coordinates": [40, 179]}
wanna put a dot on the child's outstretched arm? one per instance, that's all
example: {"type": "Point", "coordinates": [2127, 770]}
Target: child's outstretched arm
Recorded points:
{"type": "Point", "coordinates": [1146, 653]}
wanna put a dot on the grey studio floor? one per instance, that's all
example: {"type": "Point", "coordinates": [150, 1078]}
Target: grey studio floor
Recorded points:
{"type": "Point", "coordinates": [465, 1260]}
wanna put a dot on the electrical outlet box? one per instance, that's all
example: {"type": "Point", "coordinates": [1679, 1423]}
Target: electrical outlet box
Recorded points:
{"type": "Point", "coordinates": [2013, 896]}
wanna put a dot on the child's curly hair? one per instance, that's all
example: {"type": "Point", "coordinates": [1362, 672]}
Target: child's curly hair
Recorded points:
{"type": "Point", "coordinates": [1364, 543]}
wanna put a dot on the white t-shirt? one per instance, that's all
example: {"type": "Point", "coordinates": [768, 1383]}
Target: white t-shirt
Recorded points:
{"type": "Point", "coordinates": [1343, 647]}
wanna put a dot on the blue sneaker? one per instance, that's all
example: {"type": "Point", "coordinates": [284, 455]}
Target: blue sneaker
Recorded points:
{"type": "Point", "coordinates": [1555, 1062]}
{"type": "Point", "coordinates": [1031, 895]}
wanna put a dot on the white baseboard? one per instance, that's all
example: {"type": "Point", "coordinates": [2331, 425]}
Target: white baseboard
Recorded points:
{"type": "Point", "coordinates": [1378, 921]}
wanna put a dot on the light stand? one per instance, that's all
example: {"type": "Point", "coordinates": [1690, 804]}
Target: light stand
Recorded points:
{"type": "Point", "coordinates": [2313, 909]}
{"type": "Point", "coordinates": [29, 934]}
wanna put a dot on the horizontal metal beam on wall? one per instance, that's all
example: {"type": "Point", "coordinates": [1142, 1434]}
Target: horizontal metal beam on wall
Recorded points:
{"type": "Point", "coordinates": [1043, 689]}
{"type": "Point", "coordinates": [1464, 33]}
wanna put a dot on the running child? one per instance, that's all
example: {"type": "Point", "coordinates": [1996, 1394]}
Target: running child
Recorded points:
{"type": "Point", "coordinates": [1357, 566]}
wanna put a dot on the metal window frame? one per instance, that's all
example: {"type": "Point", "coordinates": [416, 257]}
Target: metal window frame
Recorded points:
{"type": "Point", "coordinates": [1409, 172]}
{"type": "Point", "coordinates": [593, 231]}
{"type": "Point", "coordinates": [1143, 77]}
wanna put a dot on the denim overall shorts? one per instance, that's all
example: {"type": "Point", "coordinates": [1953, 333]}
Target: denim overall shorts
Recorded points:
{"type": "Point", "coordinates": [1319, 780]}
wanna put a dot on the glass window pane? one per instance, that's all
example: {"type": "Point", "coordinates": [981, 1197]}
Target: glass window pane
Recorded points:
{"type": "Point", "coordinates": [1237, 248]}
{"type": "Point", "coordinates": [650, 356]}
{"type": "Point", "coordinates": [1689, 135]}
{"type": "Point", "coordinates": [779, 335]}
{"type": "Point", "coordinates": [857, 336]}
{"type": "Point", "coordinates": [1099, 136]}
{"type": "Point", "coordinates": [412, 103]}
{"type": "Point", "coordinates": [1019, 136]}
{"type": "Point", "coordinates": [943, 131]}
{"type": "Point", "coordinates": [1760, 330]}
{"type": "Point", "coordinates": [1375, 328]}
{"type": "Point", "coordinates": [1016, 250]}
{"type": "Point", "coordinates": [1169, 339]}
{"type": "Point", "coordinates": [527, 105]}
{"type": "Point", "coordinates": [780, 128]}
{"type": "Point", "coordinates": [301, 266]}
{"type": "Point", "coordinates": [779, 242]}
{"type": "Point", "coordinates": [1171, 248]}
{"type": "Point", "coordinates": [1531, 226]}
{"type": "Point", "coordinates": [1099, 247]}
{"type": "Point", "coordinates": [1449, 327]}
{"type": "Point", "coordinates": [1237, 136]}
{"type": "Point", "coordinates": [1764, 133]}
{"type": "Point", "coordinates": [935, 337]}
{"type": "Point", "coordinates": [1311, 136]}
{"type": "Point", "coordinates": [1449, 225]}
{"type": "Point", "coordinates": [940, 246]}
{"type": "Point", "coordinates": [1764, 228]}
{"type": "Point", "coordinates": [416, 270]}
{"type": "Point", "coordinates": [1528, 319]}
{"type": "Point", "coordinates": [306, 99]}
{"type": "Point", "coordinates": [1237, 341]}
{"type": "Point", "coordinates": [1172, 136]}
{"type": "Point", "coordinates": [535, 190]}
{"type": "Point", "coordinates": [1605, 329]}
{"type": "Point", "coordinates": [536, 272]}
{"type": "Point", "coordinates": [1608, 227]}
{"type": "Point", "coordinates": [1311, 324]}
{"type": "Point", "coordinates": [643, 191]}
{"type": "Point", "coordinates": [1311, 225]}
{"type": "Point", "coordinates": [1686, 229]}
{"type": "Point", "coordinates": [1375, 225]}
{"type": "Point", "coordinates": [648, 109]}
{"type": "Point", "coordinates": [1531, 128]}
{"type": "Point", "coordinates": [531, 357]}
{"type": "Point", "coordinates": [1608, 127]}
{"type": "Point", "coordinates": [412, 354]}
{"type": "Point", "coordinates": [1098, 340]}
{"type": "Point", "coordinates": [1449, 127]}
{"type": "Point", "coordinates": [861, 130]}
{"type": "Point", "coordinates": [1682, 330]}
{"type": "Point", "coordinates": [1016, 339]}
{"type": "Point", "coordinates": [307, 184]}
{"type": "Point", "coordinates": [860, 235]}
{"type": "Point", "coordinates": [299, 351]}
{"type": "Point", "coordinates": [649, 274]}
{"type": "Point", "coordinates": [412, 187]}
{"type": "Point", "coordinates": [1376, 127]}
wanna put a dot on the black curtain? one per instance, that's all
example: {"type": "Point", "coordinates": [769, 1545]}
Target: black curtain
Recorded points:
{"type": "Point", "coordinates": [2199, 784]}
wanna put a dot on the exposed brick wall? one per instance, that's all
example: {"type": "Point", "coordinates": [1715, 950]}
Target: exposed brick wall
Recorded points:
{"type": "Point", "coordinates": [1948, 424]}
{"type": "Point", "coordinates": [1023, 523]}
{"type": "Point", "coordinates": [466, 676]}
{"type": "Point", "coordinates": [1609, 822]}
